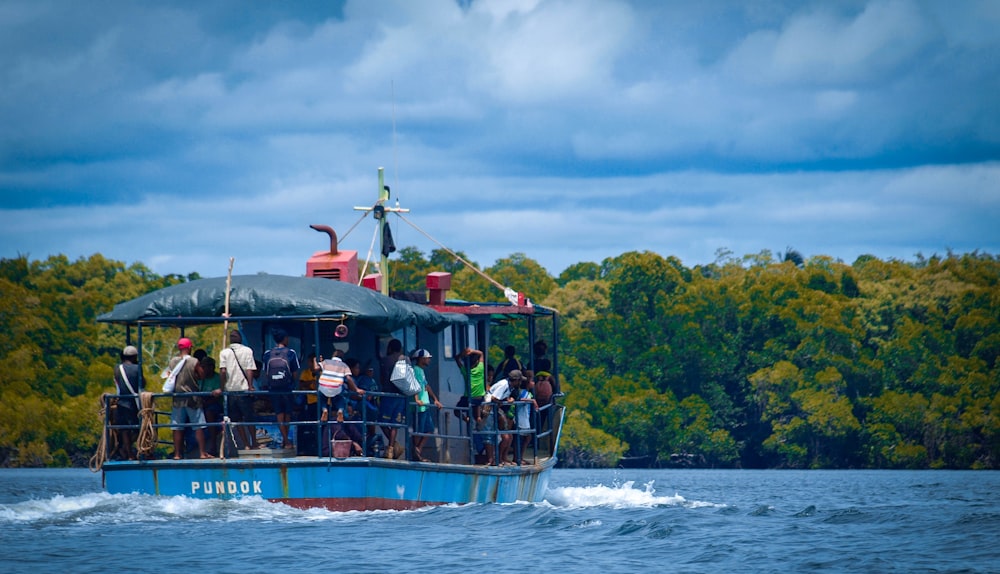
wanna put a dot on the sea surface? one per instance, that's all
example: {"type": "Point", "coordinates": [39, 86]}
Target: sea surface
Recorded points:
{"type": "Point", "coordinates": [60, 521]}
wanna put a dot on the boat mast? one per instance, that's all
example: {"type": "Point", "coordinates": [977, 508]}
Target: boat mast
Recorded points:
{"type": "Point", "coordinates": [379, 210]}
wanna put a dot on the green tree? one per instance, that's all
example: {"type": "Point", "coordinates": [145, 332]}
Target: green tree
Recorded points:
{"type": "Point", "coordinates": [583, 446]}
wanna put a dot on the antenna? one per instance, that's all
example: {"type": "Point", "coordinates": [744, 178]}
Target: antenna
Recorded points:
{"type": "Point", "coordinates": [395, 163]}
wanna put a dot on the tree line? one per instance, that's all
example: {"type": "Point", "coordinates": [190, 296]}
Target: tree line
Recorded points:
{"type": "Point", "coordinates": [760, 361]}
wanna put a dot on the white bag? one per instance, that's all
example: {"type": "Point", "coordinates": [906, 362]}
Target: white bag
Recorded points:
{"type": "Point", "coordinates": [404, 378]}
{"type": "Point", "coordinates": [171, 382]}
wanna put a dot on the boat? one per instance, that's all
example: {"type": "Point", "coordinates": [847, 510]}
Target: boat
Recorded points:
{"type": "Point", "coordinates": [336, 306]}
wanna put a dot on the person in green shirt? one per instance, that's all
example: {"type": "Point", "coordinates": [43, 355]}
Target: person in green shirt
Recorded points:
{"type": "Point", "coordinates": [477, 387]}
{"type": "Point", "coordinates": [476, 374]}
{"type": "Point", "coordinates": [213, 405]}
{"type": "Point", "coordinates": [424, 421]}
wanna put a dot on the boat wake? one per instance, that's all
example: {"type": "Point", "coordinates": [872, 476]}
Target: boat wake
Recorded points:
{"type": "Point", "coordinates": [104, 508]}
{"type": "Point", "coordinates": [624, 495]}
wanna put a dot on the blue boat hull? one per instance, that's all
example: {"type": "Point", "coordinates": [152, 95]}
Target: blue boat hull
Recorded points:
{"type": "Point", "coordinates": [359, 483]}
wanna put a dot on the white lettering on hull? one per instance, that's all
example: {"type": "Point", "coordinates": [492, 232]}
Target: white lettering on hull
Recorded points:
{"type": "Point", "coordinates": [221, 487]}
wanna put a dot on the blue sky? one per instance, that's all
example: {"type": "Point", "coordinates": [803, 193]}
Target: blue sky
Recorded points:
{"type": "Point", "coordinates": [179, 134]}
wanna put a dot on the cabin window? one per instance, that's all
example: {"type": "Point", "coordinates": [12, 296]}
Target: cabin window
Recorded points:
{"type": "Point", "coordinates": [449, 342]}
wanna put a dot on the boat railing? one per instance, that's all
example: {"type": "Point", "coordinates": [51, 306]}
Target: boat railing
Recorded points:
{"type": "Point", "coordinates": [364, 423]}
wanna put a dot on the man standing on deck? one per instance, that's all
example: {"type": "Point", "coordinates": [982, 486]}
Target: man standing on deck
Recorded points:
{"type": "Point", "coordinates": [510, 363]}
{"type": "Point", "coordinates": [128, 381]}
{"type": "Point", "coordinates": [477, 387]}
{"type": "Point", "coordinates": [392, 407]}
{"type": "Point", "coordinates": [186, 410]}
{"type": "Point", "coordinates": [424, 420]}
{"type": "Point", "coordinates": [237, 369]}
{"type": "Point", "coordinates": [281, 365]}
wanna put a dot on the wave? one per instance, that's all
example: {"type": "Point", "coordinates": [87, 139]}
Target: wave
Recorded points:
{"type": "Point", "coordinates": [624, 495]}
{"type": "Point", "coordinates": [104, 508]}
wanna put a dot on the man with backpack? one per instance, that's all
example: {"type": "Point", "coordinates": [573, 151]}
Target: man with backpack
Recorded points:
{"type": "Point", "coordinates": [281, 365]}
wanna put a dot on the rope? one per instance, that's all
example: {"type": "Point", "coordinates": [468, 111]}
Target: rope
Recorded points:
{"type": "Point", "coordinates": [226, 428]}
{"type": "Point", "coordinates": [453, 254]}
{"type": "Point", "coordinates": [97, 461]}
{"type": "Point", "coordinates": [147, 434]}
{"type": "Point", "coordinates": [368, 258]}
{"type": "Point", "coordinates": [360, 219]}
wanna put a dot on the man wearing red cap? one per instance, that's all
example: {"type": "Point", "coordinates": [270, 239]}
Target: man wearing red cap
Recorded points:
{"type": "Point", "coordinates": [187, 410]}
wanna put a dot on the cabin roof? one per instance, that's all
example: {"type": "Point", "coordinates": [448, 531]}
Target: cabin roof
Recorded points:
{"type": "Point", "coordinates": [270, 296]}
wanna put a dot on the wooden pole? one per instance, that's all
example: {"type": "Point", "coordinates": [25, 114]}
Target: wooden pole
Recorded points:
{"type": "Point", "coordinates": [225, 323]}
{"type": "Point", "coordinates": [225, 341]}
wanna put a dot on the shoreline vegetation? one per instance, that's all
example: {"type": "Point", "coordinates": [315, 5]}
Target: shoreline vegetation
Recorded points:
{"type": "Point", "coordinates": [761, 361]}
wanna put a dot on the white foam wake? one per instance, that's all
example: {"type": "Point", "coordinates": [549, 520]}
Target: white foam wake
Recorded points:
{"type": "Point", "coordinates": [101, 507]}
{"type": "Point", "coordinates": [625, 495]}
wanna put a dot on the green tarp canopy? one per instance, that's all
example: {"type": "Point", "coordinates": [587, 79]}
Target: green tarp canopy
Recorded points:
{"type": "Point", "coordinates": [276, 296]}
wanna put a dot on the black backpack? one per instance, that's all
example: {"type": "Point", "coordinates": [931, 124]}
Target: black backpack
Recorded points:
{"type": "Point", "coordinates": [279, 371]}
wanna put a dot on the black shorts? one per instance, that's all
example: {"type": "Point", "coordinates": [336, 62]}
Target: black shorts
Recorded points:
{"type": "Point", "coordinates": [241, 409]}
{"type": "Point", "coordinates": [125, 415]}
{"type": "Point", "coordinates": [283, 402]}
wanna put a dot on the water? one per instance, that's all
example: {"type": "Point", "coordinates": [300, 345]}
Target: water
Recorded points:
{"type": "Point", "coordinates": [591, 521]}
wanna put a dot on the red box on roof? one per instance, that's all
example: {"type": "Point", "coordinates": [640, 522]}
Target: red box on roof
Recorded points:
{"type": "Point", "coordinates": [439, 280]}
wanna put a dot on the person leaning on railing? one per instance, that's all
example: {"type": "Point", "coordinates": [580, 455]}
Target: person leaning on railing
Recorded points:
{"type": "Point", "coordinates": [237, 369]}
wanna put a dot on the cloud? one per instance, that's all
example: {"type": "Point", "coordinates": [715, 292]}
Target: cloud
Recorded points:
{"type": "Point", "coordinates": [820, 46]}
{"type": "Point", "coordinates": [179, 134]}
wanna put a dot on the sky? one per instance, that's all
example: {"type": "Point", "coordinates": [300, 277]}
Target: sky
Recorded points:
{"type": "Point", "coordinates": [180, 134]}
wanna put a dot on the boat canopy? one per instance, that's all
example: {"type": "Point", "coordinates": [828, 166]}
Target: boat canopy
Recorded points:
{"type": "Point", "coordinates": [276, 296]}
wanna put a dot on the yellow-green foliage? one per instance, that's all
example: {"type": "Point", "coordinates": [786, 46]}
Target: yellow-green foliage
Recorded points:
{"type": "Point", "coordinates": [751, 361]}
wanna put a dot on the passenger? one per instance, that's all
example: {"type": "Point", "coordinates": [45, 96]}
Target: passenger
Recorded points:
{"type": "Point", "coordinates": [542, 363]}
{"type": "Point", "coordinates": [522, 414]}
{"type": "Point", "coordinates": [210, 383]}
{"type": "Point", "coordinates": [187, 409]}
{"type": "Point", "coordinates": [491, 374]}
{"type": "Point", "coordinates": [543, 398]}
{"type": "Point", "coordinates": [305, 403]}
{"type": "Point", "coordinates": [351, 430]}
{"type": "Point", "coordinates": [128, 381]}
{"type": "Point", "coordinates": [392, 408]}
{"type": "Point", "coordinates": [509, 363]}
{"type": "Point", "coordinates": [237, 369]}
{"type": "Point", "coordinates": [494, 418]}
{"type": "Point", "coordinates": [365, 408]}
{"type": "Point", "coordinates": [281, 365]}
{"type": "Point", "coordinates": [477, 388]}
{"type": "Point", "coordinates": [424, 420]}
{"type": "Point", "coordinates": [333, 398]}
